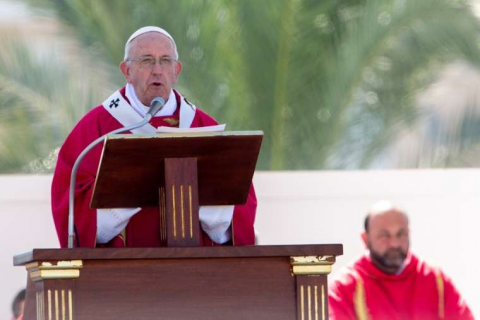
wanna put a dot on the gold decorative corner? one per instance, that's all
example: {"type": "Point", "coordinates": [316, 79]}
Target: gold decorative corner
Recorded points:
{"type": "Point", "coordinates": [312, 265]}
{"type": "Point", "coordinates": [299, 260]}
{"type": "Point", "coordinates": [60, 270]}
{"type": "Point", "coordinates": [311, 270]}
{"type": "Point", "coordinates": [69, 264]}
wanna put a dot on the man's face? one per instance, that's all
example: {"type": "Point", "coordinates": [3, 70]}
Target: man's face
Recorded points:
{"type": "Point", "coordinates": [388, 240]}
{"type": "Point", "coordinates": [151, 81]}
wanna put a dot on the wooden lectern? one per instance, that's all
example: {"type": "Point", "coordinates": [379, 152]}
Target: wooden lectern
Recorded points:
{"type": "Point", "coordinates": [181, 280]}
{"type": "Point", "coordinates": [252, 282]}
{"type": "Point", "coordinates": [177, 172]}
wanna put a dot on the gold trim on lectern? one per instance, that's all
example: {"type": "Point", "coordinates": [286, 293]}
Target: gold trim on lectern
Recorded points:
{"type": "Point", "coordinates": [174, 213]}
{"type": "Point", "coordinates": [312, 260]}
{"type": "Point", "coordinates": [306, 265]}
{"type": "Point", "coordinates": [303, 270]}
{"type": "Point", "coordinates": [61, 270]}
{"type": "Point", "coordinates": [182, 211]}
{"type": "Point", "coordinates": [54, 274]}
{"type": "Point", "coordinates": [190, 210]}
{"type": "Point", "coordinates": [72, 264]}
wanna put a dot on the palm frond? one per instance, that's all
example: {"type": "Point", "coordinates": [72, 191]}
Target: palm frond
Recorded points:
{"type": "Point", "coordinates": [43, 96]}
{"type": "Point", "coordinates": [331, 83]}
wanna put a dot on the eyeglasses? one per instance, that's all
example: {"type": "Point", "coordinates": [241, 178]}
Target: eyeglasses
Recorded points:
{"type": "Point", "coordinates": [149, 62]}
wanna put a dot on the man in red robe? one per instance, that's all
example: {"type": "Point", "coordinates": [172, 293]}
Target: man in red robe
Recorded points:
{"type": "Point", "coordinates": [151, 68]}
{"type": "Point", "coordinates": [390, 282]}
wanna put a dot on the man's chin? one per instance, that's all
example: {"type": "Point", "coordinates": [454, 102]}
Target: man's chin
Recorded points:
{"type": "Point", "coordinates": [394, 260]}
{"type": "Point", "coordinates": [393, 263]}
{"type": "Point", "coordinates": [388, 262]}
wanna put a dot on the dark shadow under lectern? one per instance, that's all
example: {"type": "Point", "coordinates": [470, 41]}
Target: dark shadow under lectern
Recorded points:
{"type": "Point", "coordinates": [178, 282]}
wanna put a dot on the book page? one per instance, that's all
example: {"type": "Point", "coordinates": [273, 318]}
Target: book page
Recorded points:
{"type": "Point", "coordinates": [217, 128]}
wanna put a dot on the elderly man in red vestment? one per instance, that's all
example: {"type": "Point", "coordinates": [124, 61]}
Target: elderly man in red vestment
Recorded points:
{"type": "Point", "coordinates": [390, 282]}
{"type": "Point", "coordinates": [151, 68]}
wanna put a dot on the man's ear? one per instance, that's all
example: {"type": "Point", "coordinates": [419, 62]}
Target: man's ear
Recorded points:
{"type": "Point", "coordinates": [178, 69]}
{"type": "Point", "coordinates": [365, 239]}
{"type": "Point", "coordinates": [125, 69]}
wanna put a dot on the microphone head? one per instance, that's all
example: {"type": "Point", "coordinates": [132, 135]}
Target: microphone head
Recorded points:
{"type": "Point", "coordinates": [156, 105]}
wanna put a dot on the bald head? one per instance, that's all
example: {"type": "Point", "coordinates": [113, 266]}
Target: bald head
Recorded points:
{"type": "Point", "coordinates": [384, 209]}
{"type": "Point", "coordinates": [387, 236]}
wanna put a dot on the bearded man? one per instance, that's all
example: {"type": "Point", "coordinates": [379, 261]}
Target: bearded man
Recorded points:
{"type": "Point", "coordinates": [390, 282]}
{"type": "Point", "coordinates": [151, 67]}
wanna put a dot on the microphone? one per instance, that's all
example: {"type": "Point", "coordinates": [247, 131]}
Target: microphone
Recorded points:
{"type": "Point", "coordinates": [156, 105]}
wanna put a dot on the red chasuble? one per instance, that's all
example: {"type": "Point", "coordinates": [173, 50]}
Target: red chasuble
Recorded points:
{"type": "Point", "coordinates": [142, 229]}
{"type": "Point", "coordinates": [419, 292]}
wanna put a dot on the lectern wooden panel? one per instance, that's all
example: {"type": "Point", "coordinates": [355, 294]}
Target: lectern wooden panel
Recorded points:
{"type": "Point", "coordinates": [258, 282]}
{"type": "Point", "coordinates": [179, 211]}
{"type": "Point", "coordinates": [132, 167]}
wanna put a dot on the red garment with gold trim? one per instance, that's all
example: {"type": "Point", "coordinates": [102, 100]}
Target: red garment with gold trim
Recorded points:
{"type": "Point", "coordinates": [142, 229]}
{"type": "Point", "coordinates": [419, 292]}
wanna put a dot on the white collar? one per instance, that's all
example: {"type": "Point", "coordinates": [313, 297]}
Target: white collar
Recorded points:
{"type": "Point", "coordinates": [141, 109]}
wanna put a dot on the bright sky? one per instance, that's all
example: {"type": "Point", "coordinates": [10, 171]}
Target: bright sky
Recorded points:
{"type": "Point", "coordinates": [12, 11]}
{"type": "Point", "coordinates": [476, 7]}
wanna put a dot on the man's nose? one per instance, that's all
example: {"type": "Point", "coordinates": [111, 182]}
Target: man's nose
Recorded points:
{"type": "Point", "coordinates": [395, 242]}
{"type": "Point", "coordinates": [157, 67]}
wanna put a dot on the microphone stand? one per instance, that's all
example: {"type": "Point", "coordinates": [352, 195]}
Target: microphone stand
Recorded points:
{"type": "Point", "coordinates": [157, 104]}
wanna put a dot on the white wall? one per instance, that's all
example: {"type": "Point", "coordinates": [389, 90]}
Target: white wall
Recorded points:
{"type": "Point", "coordinates": [295, 208]}
{"type": "Point", "coordinates": [25, 223]}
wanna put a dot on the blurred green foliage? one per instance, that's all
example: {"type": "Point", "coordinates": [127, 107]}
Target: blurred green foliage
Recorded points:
{"type": "Point", "coordinates": [329, 82]}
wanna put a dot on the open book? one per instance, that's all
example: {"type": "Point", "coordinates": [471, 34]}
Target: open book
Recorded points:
{"type": "Point", "coordinates": [217, 128]}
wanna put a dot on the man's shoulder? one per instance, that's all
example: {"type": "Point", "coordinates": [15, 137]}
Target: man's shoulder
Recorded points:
{"type": "Point", "coordinates": [201, 118]}
{"type": "Point", "coordinates": [348, 275]}
{"type": "Point", "coordinates": [207, 120]}
{"type": "Point", "coordinates": [97, 121]}
{"type": "Point", "coordinates": [96, 114]}
{"type": "Point", "coordinates": [100, 113]}
{"type": "Point", "coordinates": [426, 269]}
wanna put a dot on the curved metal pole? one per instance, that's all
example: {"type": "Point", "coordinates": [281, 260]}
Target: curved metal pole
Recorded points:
{"type": "Point", "coordinates": [71, 202]}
